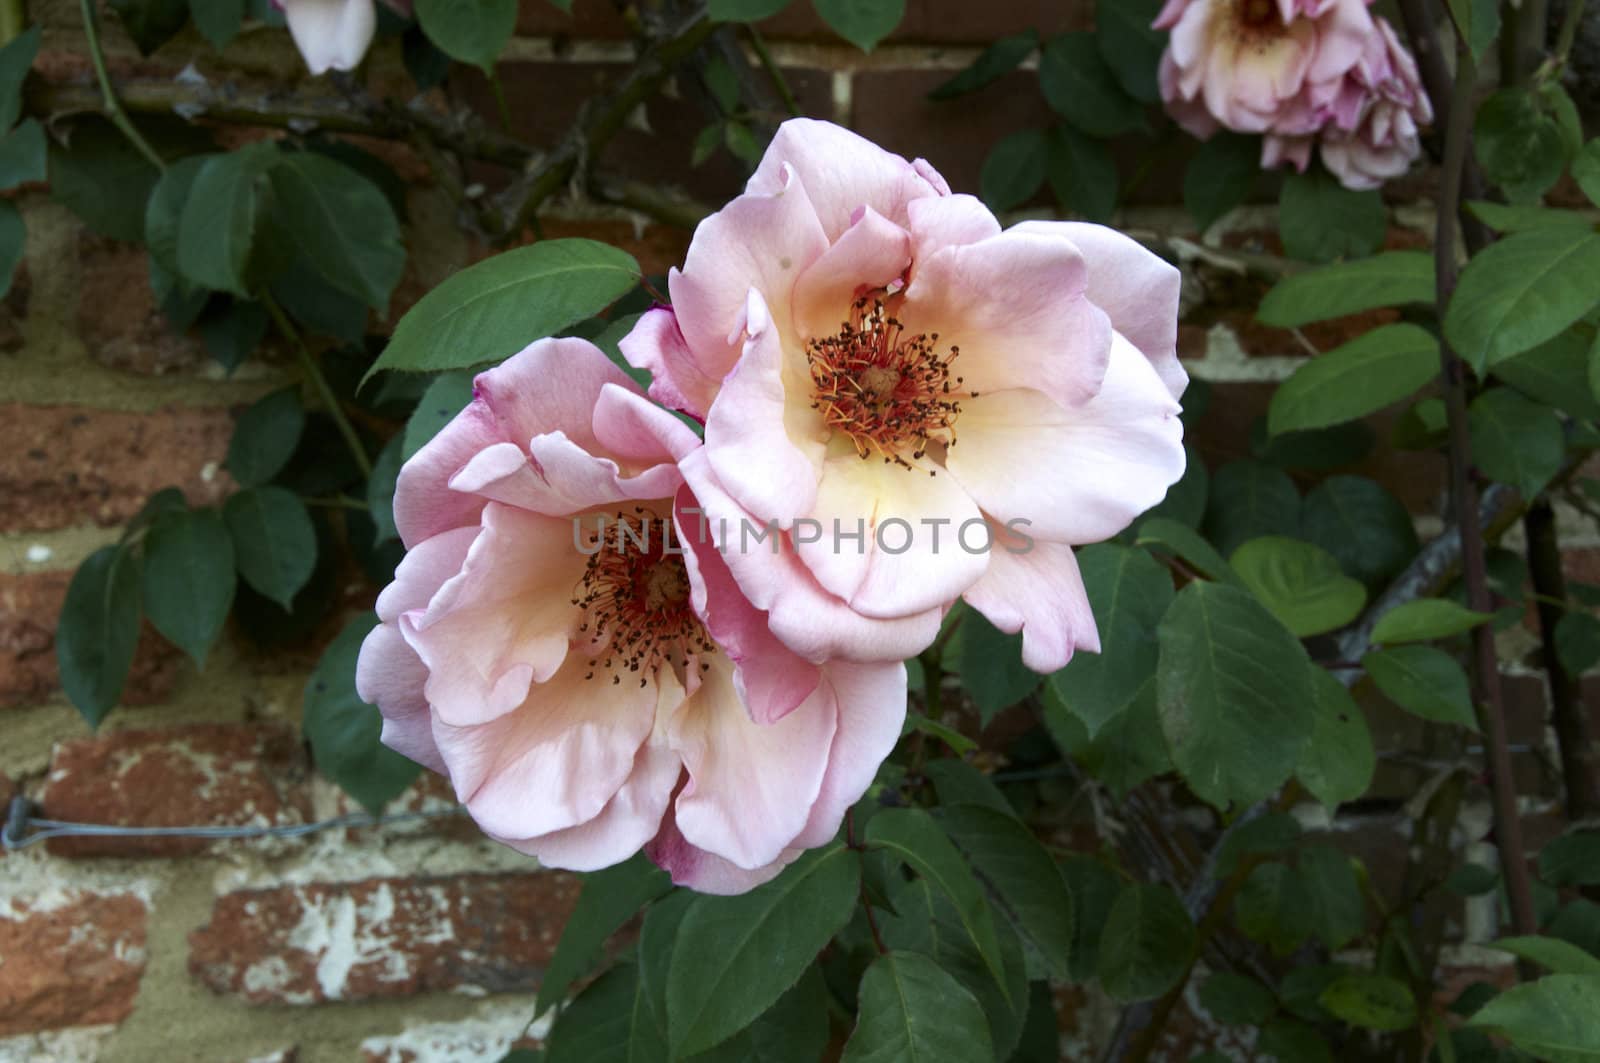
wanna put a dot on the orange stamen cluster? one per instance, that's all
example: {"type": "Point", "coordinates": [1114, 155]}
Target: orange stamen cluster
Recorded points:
{"type": "Point", "coordinates": [891, 393]}
{"type": "Point", "coordinates": [635, 597]}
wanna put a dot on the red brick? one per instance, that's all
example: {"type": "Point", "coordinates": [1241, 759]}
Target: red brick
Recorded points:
{"type": "Point", "coordinates": [215, 775]}
{"type": "Point", "coordinates": [320, 942]}
{"type": "Point", "coordinates": [117, 314]}
{"type": "Point", "coordinates": [76, 963]}
{"type": "Point", "coordinates": [29, 606]}
{"type": "Point", "coordinates": [69, 465]}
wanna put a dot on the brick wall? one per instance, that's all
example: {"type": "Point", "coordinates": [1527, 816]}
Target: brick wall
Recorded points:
{"type": "Point", "coordinates": [423, 941]}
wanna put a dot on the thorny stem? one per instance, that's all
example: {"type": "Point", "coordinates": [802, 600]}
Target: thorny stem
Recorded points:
{"type": "Point", "coordinates": [866, 902]}
{"type": "Point", "coordinates": [113, 106]}
{"type": "Point", "coordinates": [1464, 507]}
{"type": "Point", "coordinates": [319, 383]}
{"type": "Point", "coordinates": [759, 45]}
{"type": "Point", "coordinates": [1579, 770]}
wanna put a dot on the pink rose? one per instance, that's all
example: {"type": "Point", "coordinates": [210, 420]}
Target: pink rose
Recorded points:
{"type": "Point", "coordinates": [927, 407]}
{"type": "Point", "coordinates": [1257, 66]}
{"type": "Point", "coordinates": [562, 645]}
{"type": "Point", "coordinates": [1382, 141]}
{"type": "Point", "coordinates": [334, 34]}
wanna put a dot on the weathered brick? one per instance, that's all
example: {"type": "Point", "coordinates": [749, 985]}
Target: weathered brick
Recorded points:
{"type": "Point", "coordinates": [69, 465]}
{"type": "Point", "coordinates": [309, 944]}
{"type": "Point", "coordinates": [496, 1028]}
{"type": "Point", "coordinates": [215, 775]}
{"type": "Point", "coordinates": [72, 961]}
{"type": "Point", "coordinates": [29, 606]}
{"type": "Point", "coordinates": [118, 319]}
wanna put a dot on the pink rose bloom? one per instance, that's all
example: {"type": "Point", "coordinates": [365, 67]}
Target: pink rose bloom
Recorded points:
{"type": "Point", "coordinates": [334, 34]}
{"type": "Point", "coordinates": [1256, 66]}
{"type": "Point", "coordinates": [927, 407]}
{"type": "Point", "coordinates": [590, 683]}
{"type": "Point", "coordinates": [1382, 142]}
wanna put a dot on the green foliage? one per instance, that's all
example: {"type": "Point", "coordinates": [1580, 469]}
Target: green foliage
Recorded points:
{"type": "Point", "coordinates": [98, 630]}
{"type": "Point", "coordinates": [1519, 143]}
{"type": "Point", "coordinates": [1370, 1001]}
{"type": "Point", "coordinates": [1478, 23]}
{"type": "Point", "coordinates": [1250, 499]}
{"type": "Point", "coordinates": [1521, 291]}
{"type": "Point", "coordinates": [1556, 1018]}
{"type": "Point", "coordinates": [1424, 619]}
{"type": "Point", "coordinates": [1362, 376]}
{"type": "Point", "coordinates": [345, 226]}
{"type": "Point", "coordinates": [609, 899]}
{"type": "Point", "coordinates": [490, 311]}
{"type": "Point", "coordinates": [1082, 88]}
{"type": "Point", "coordinates": [1147, 943]}
{"type": "Point", "coordinates": [744, 10]}
{"type": "Point", "coordinates": [1300, 583]}
{"type": "Point", "coordinates": [218, 21]}
{"type": "Point", "coordinates": [863, 23]}
{"type": "Point", "coordinates": [1081, 173]}
{"type": "Point", "coordinates": [265, 437]}
{"type": "Point", "coordinates": [910, 1009]}
{"type": "Point", "coordinates": [1321, 220]}
{"type": "Point", "coordinates": [1391, 278]}
{"type": "Point", "coordinates": [222, 209]}
{"type": "Point", "coordinates": [188, 578]}
{"type": "Point", "coordinates": [274, 544]}
{"type": "Point", "coordinates": [1000, 58]}
{"type": "Point", "coordinates": [1014, 170]}
{"type": "Point", "coordinates": [1515, 440]}
{"type": "Point", "coordinates": [343, 730]}
{"type": "Point", "coordinates": [102, 179]}
{"type": "Point", "coordinates": [1336, 765]}
{"type": "Point", "coordinates": [1559, 957]}
{"type": "Point", "coordinates": [1235, 1000]}
{"type": "Point", "coordinates": [1572, 860]}
{"type": "Point", "coordinates": [151, 23]}
{"type": "Point", "coordinates": [1274, 907]}
{"type": "Point", "coordinates": [1424, 681]}
{"type": "Point", "coordinates": [1129, 46]}
{"type": "Point", "coordinates": [473, 31]}
{"type": "Point", "coordinates": [1362, 525]}
{"type": "Point", "coordinates": [990, 664]}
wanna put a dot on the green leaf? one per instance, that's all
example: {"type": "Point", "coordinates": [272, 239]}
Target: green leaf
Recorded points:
{"type": "Point", "coordinates": [218, 21]}
{"type": "Point", "coordinates": [610, 897]}
{"type": "Point", "coordinates": [1290, 1041]}
{"type": "Point", "coordinates": [490, 311]}
{"type": "Point", "coordinates": [959, 743]}
{"type": "Point", "coordinates": [446, 396]}
{"type": "Point", "coordinates": [16, 58]}
{"type": "Point", "coordinates": [913, 1010]}
{"type": "Point", "coordinates": [1082, 173]}
{"type": "Point", "coordinates": [794, 1030]}
{"type": "Point", "coordinates": [1146, 944]}
{"type": "Point", "coordinates": [233, 332]}
{"type": "Point", "coordinates": [1425, 619]}
{"type": "Point", "coordinates": [1472, 880]}
{"type": "Point", "coordinates": [164, 211]}
{"type": "Point", "coordinates": [24, 156]}
{"type": "Point", "coordinates": [189, 579]}
{"type": "Point", "coordinates": [1320, 220]}
{"type": "Point", "coordinates": [1337, 911]}
{"type": "Point", "coordinates": [1013, 170]}
{"type": "Point", "coordinates": [656, 949]}
{"type": "Point", "coordinates": [1515, 440]}
{"type": "Point", "coordinates": [1571, 860]}
{"type": "Point", "coordinates": [1519, 144]}
{"type": "Point", "coordinates": [1250, 499]}
{"type": "Point", "coordinates": [959, 783]}
{"type": "Point", "coordinates": [1185, 544]}
{"type": "Point", "coordinates": [473, 31]}
{"type": "Point", "coordinates": [1586, 170]}
{"type": "Point", "coordinates": [380, 491]}
{"type": "Point", "coordinates": [1355, 379]}
{"type": "Point", "coordinates": [1578, 642]}
{"type": "Point", "coordinates": [341, 222]}
{"type": "Point", "coordinates": [861, 22]}
{"type": "Point", "coordinates": [1336, 765]}
{"type": "Point", "coordinates": [744, 10]}
{"type": "Point", "coordinates": [609, 1022]}
{"type": "Point", "coordinates": [1559, 957]}
{"type": "Point", "coordinates": [1234, 691]}
{"type": "Point", "coordinates": [989, 662]}
{"type": "Point", "coordinates": [1011, 862]}
{"type": "Point", "coordinates": [734, 956]}
{"type": "Point", "coordinates": [1391, 278]}
{"type": "Point", "coordinates": [1521, 291]}
{"type": "Point", "coordinates": [265, 437]}
{"type": "Point", "coordinates": [1556, 1018]}
{"type": "Point", "coordinates": [1235, 1000]}
{"type": "Point", "coordinates": [1371, 1001]}
{"type": "Point", "coordinates": [1001, 57]}
{"type": "Point", "coordinates": [1504, 219]}
{"type": "Point", "coordinates": [343, 730]}
{"type": "Point", "coordinates": [217, 229]}
{"type": "Point", "coordinates": [1267, 834]}
{"type": "Point", "coordinates": [274, 543]}
{"type": "Point", "coordinates": [1274, 908]}
{"type": "Point", "coordinates": [1300, 583]}
{"type": "Point", "coordinates": [98, 631]}
{"type": "Point", "coordinates": [912, 836]}
{"type": "Point", "coordinates": [1129, 45]}
{"type": "Point", "coordinates": [151, 23]}
{"type": "Point", "coordinates": [1221, 174]}
{"type": "Point", "coordinates": [13, 243]}
{"type": "Point", "coordinates": [1080, 87]}
{"type": "Point", "coordinates": [1094, 888]}
{"type": "Point", "coordinates": [1425, 682]}
{"type": "Point", "coordinates": [1186, 499]}
{"type": "Point", "coordinates": [1362, 525]}
{"type": "Point", "coordinates": [1556, 372]}
{"type": "Point", "coordinates": [1129, 592]}
{"type": "Point", "coordinates": [102, 179]}
{"type": "Point", "coordinates": [1478, 23]}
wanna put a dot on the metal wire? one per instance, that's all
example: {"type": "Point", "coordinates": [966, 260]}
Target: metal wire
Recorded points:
{"type": "Point", "coordinates": [23, 829]}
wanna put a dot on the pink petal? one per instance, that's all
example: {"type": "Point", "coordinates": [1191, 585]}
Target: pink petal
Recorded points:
{"type": "Point", "coordinates": [703, 872]}
{"type": "Point", "coordinates": [762, 240]}
{"type": "Point", "coordinates": [634, 430]}
{"type": "Point", "coordinates": [557, 759]}
{"type": "Point", "coordinates": [557, 477]}
{"type": "Point", "coordinates": [629, 820]}
{"type": "Point", "coordinates": [504, 622]}
{"type": "Point", "coordinates": [1015, 306]}
{"type": "Point", "coordinates": [1036, 590]}
{"type": "Point", "coordinates": [748, 440]}
{"type": "Point", "coordinates": [1079, 475]}
{"type": "Point", "coordinates": [424, 504]}
{"type": "Point", "coordinates": [946, 220]}
{"type": "Point", "coordinates": [872, 710]}
{"type": "Point", "coordinates": [331, 34]}
{"type": "Point", "coordinates": [815, 624]}
{"type": "Point", "coordinates": [840, 171]}
{"type": "Point", "coordinates": [751, 786]}
{"type": "Point", "coordinates": [1137, 289]}
{"type": "Point", "coordinates": [869, 254]}
{"type": "Point", "coordinates": [390, 675]}
{"type": "Point", "coordinates": [909, 558]}
{"type": "Point", "coordinates": [677, 380]}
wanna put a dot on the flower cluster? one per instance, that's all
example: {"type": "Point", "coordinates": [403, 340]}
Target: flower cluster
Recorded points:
{"type": "Point", "coordinates": [1324, 73]}
{"type": "Point", "coordinates": [612, 634]}
{"type": "Point", "coordinates": [334, 34]}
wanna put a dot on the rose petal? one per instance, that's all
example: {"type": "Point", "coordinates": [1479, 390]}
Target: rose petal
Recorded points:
{"type": "Point", "coordinates": [331, 34]}
{"type": "Point", "coordinates": [872, 711]}
{"type": "Point", "coordinates": [1034, 586]}
{"type": "Point", "coordinates": [702, 871]}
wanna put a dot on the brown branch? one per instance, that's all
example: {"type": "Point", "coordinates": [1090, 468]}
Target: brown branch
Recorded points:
{"type": "Point", "coordinates": [1580, 761]}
